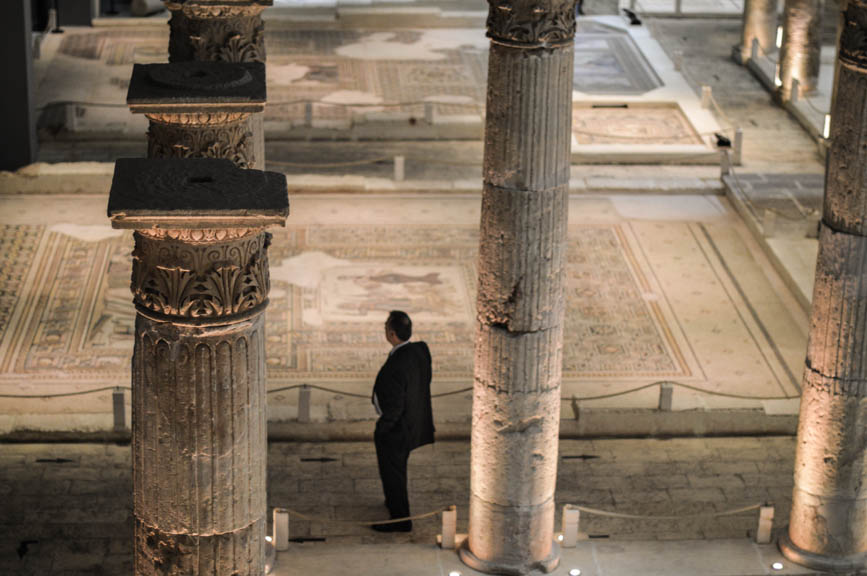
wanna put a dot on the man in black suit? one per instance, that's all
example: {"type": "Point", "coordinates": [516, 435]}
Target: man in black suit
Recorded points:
{"type": "Point", "coordinates": [401, 397]}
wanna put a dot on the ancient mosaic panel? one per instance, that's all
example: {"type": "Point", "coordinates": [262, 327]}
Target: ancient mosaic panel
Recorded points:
{"type": "Point", "coordinates": [608, 61]}
{"type": "Point", "coordinates": [649, 125]}
{"type": "Point", "coordinates": [118, 47]}
{"type": "Point", "coordinates": [18, 245]}
{"type": "Point", "coordinates": [331, 289]}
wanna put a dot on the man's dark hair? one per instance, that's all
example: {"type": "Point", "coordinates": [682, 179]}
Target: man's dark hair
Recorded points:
{"type": "Point", "coordinates": [399, 323]}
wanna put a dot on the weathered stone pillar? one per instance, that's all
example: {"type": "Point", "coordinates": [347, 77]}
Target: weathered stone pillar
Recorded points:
{"type": "Point", "coordinates": [221, 30]}
{"type": "Point", "coordinates": [800, 54]}
{"type": "Point", "coordinates": [518, 360]}
{"type": "Point", "coordinates": [200, 287]}
{"type": "Point", "coordinates": [760, 23]}
{"type": "Point", "coordinates": [828, 525]}
{"type": "Point", "coordinates": [200, 109]}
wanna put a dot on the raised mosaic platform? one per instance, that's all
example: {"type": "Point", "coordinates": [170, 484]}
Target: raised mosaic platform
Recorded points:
{"type": "Point", "coordinates": [648, 300]}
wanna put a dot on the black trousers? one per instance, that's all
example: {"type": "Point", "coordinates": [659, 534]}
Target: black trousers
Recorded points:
{"type": "Point", "coordinates": [392, 455]}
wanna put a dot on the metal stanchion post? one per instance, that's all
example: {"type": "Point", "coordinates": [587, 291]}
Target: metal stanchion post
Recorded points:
{"type": "Point", "coordinates": [766, 523]}
{"type": "Point", "coordinates": [281, 530]}
{"type": "Point", "coordinates": [399, 168]}
{"type": "Point", "coordinates": [571, 518]}
{"type": "Point", "coordinates": [308, 114]}
{"type": "Point", "coordinates": [738, 146]}
{"type": "Point", "coordinates": [450, 525]}
{"type": "Point", "coordinates": [118, 408]}
{"type": "Point", "coordinates": [666, 397]}
{"type": "Point", "coordinates": [304, 404]}
{"type": "Point", "coordinates": [706, 95]}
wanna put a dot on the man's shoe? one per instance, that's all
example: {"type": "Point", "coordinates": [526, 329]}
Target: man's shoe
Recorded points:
{"type": "Point", "coordinates": [405, 526]}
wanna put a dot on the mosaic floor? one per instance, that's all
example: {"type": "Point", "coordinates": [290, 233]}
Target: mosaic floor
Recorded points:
{"type": "Point", "coordinates": [607, 61]}
{"type": "Point", "coordinates": [349, 74]}
{"type": "Point", "coordinates": [650, 297]}
{"type": "Point", "coordinates": [632, 125]}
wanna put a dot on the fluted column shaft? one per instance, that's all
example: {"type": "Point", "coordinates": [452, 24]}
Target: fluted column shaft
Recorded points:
{"type": "Point", "coordinates": [518, 350]}
{"type": "Point", "coordinates": [760, 23]}
{"type": "Point", "coordinates": [828, 529]}
{"type": "Point", "coordinates": [801, 51]}
{"type": "Point", "coordinates": [199, 428]}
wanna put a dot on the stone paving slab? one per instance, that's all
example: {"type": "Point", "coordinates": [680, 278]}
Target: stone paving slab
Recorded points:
{"type": "Point", "coordinates": [593, 558]}
{"type": "Point", "coordinates": [71, 503]}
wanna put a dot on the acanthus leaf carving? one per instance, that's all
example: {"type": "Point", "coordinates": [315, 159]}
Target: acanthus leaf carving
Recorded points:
{"type": "Point", "coordinates": [232, 141]}
{"type": "Point", "coordinates": [532, 22]}
{"type": "Point", "coordinates": [217, 33]}
{"type": "Point", "coordinates": [200, 281]}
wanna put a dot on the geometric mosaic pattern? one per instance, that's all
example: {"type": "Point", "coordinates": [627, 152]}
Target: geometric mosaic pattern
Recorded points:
{"type": "Point", "coordinates": [607, 61]}
{"type": "Point", "coordinates": [327, 325]}
{"type": "Point", "coordinates": [635, 125]}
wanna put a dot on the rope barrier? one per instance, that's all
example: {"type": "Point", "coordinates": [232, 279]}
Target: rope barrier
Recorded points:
{"type": "Point", "coordinates": [648, 138]}
{"type": "Point", "coordinates": [606, 513]}
{"type": "Point", "coordinates": [372, 161]}
{"type": "Point", "coordinates": [66, 394]}
{"type": "Point", "coordinates": [474, 105]}
{"type": "Point", "coordinates": [442, 394]}
{"type": "Point", "coordinates": [377, 160]}
{"type": "Point", "coordinates": [320, 520]}
{"type": "Point", "coordinates": [372, 105]}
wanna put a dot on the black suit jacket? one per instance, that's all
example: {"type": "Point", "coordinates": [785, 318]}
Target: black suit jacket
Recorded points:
{"type": "Point", "coordinates": [403, 391]}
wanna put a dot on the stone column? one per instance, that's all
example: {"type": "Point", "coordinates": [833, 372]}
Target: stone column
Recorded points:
{"type": "Point", "coordinates": [800, 54]}
{"type": "Point", "coordinates": [518, 351]}
{"type": "Point", "coordinates": [828, 529]}
{"type": "Point", "coordinates": [841, 24]}
{"type": "Point", "coordinates": [200, 287]}
{"type": "Point", "coordinates": [760, 23]}
{"type": "Point", "coordinates": [17, 109]}
{"type": "Point", "coordinates": [200, 109]}
{"type": "Point", "coordinates": [220, 30]}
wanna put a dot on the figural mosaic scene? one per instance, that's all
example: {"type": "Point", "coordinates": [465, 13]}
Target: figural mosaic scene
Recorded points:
{"type": "Point", "coordinates": [433, 287]}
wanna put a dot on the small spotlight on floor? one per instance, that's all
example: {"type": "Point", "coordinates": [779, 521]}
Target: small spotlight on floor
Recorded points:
{"type": "Point", "coordinates": [777, 565]}
{"type": "Point", "coordinates": [574, 572]}
{"type": "Point", "coordinates": [454, 573]}
{"type": "Point", "coordinates": [267, 538]}
{"type": "Point", "coordinates": [559, 537]}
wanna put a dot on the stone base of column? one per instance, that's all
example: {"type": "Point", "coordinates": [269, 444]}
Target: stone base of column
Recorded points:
{"type": "Point", "coordinates": [836, 564]}
{"type": "Point", "coordinates": [240, 552]}
{"type": "Point", "coordinates": [545, 566]}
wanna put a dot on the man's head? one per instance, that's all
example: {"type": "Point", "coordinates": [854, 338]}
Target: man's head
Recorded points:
{"type": "Point", "coordinates": [398, 327]}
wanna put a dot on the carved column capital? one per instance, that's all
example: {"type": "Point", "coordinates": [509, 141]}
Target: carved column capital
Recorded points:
{"type": "Point", "coordinates": [531, 23]}
{"type": "Point", "coordinates": [193, 278]}
{"type": "Point", "coordinates": [218, 135]}
{"type": "Point", "coordinates": [228, 31]}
